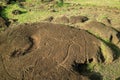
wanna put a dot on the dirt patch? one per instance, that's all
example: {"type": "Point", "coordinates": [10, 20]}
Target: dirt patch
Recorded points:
{"type": "Point", "coordinates": [43, 51]}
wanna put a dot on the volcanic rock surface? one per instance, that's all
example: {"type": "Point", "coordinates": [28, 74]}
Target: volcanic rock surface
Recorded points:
{"type": "Point", "coordinates": [2, 23]}
{"type": "Point", "coordinates": [46, 51]}
{"type": "Point", "coordinates": [103, 31]}
{"type": "Point", "coordinates": [62, 19]}
{"type": "Point", "coordinates": [78, 19]}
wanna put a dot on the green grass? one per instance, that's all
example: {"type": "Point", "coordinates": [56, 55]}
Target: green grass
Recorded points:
{"type": "Point", "coordinates": [37, 15]}
{"type": "Point", "coordinates": [7, 12]}
{"type": "Point", "coordinates": [28, 16]}
{"type": "Point", "coordinates": [110, 3]}
{"type": "Point", "coordinates": [110, 71]}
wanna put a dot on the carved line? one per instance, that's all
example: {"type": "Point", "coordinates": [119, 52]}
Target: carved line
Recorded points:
{"type": "Point", "coordinates": [6, 69]}
{"type": "Point", "coordinates": [67, 56]}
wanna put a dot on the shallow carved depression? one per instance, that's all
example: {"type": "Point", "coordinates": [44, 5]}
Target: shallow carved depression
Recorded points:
{"type": "Point", "coordinates": [23, 50]}
{"type": "Point", "coordinates": [33, 43]}
{"type": "Point", "coordinates": [46, 51]}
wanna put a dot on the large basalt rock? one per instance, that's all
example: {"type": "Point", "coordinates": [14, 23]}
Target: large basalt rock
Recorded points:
{"type": "Point", "coordinates": [46, 51]}
{"type": "Point", "coordinates": [72, 19]}
{"type": "Point", "coordinates": [101, 30]}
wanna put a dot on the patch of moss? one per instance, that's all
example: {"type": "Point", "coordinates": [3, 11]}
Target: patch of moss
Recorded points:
{"type": "Point", "coordinates": [60, 3]}
{"type": "Point", "coordinates": [7, 11]}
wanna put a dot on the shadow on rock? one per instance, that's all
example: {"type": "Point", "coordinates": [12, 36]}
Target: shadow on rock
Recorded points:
{"type": "Point", "coordinates": [96, 76]}
{"type": "Point", "coordinates": [118, 78]}
{"type": "Point", "coordinates": [118, 35]}
{"type": "Point", "coordinates": [82, 68]}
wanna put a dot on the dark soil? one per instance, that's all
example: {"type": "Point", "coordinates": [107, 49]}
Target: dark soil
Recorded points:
{"type": "Point", "coordinates": [46, 51]}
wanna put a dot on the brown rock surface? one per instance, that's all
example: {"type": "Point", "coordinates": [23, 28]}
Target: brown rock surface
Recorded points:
{"type": "Point", "coordinates": [78, 19]}
{"type": "Point", "coordinates": [103, 31]}
{"type": "Point", "coordinates": [46, 51]}
{"type": "Point", "coordinates": [2, 23]}
{"type": "Point", "coordinates": [62, 19]}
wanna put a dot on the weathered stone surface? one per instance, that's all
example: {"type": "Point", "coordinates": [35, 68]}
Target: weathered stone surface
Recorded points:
{"type": "Point", "coordinates": [46, 51]}
{"type": "Point", "coordinates": [102, 31]}
{"type": "Point", "coordinates": [62, 19]}
{"type": "Point", "coordinates": [78, 19]}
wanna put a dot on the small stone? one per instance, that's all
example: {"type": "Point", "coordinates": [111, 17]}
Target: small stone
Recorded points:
{"type": "Point", "coordinates": [77, 19]}
{"type": "Point", "coordinates": [16, 12]}
{"type": "Point", "coordinates": [53, 10]}
{"type": "Point", "coordinates": [49, 19]}
{"type": "Point", "coordinates": [62, 19]}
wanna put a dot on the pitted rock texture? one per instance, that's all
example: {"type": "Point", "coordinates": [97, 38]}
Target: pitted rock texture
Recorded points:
{"type": "Point", "coordinates": [46, 51]}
